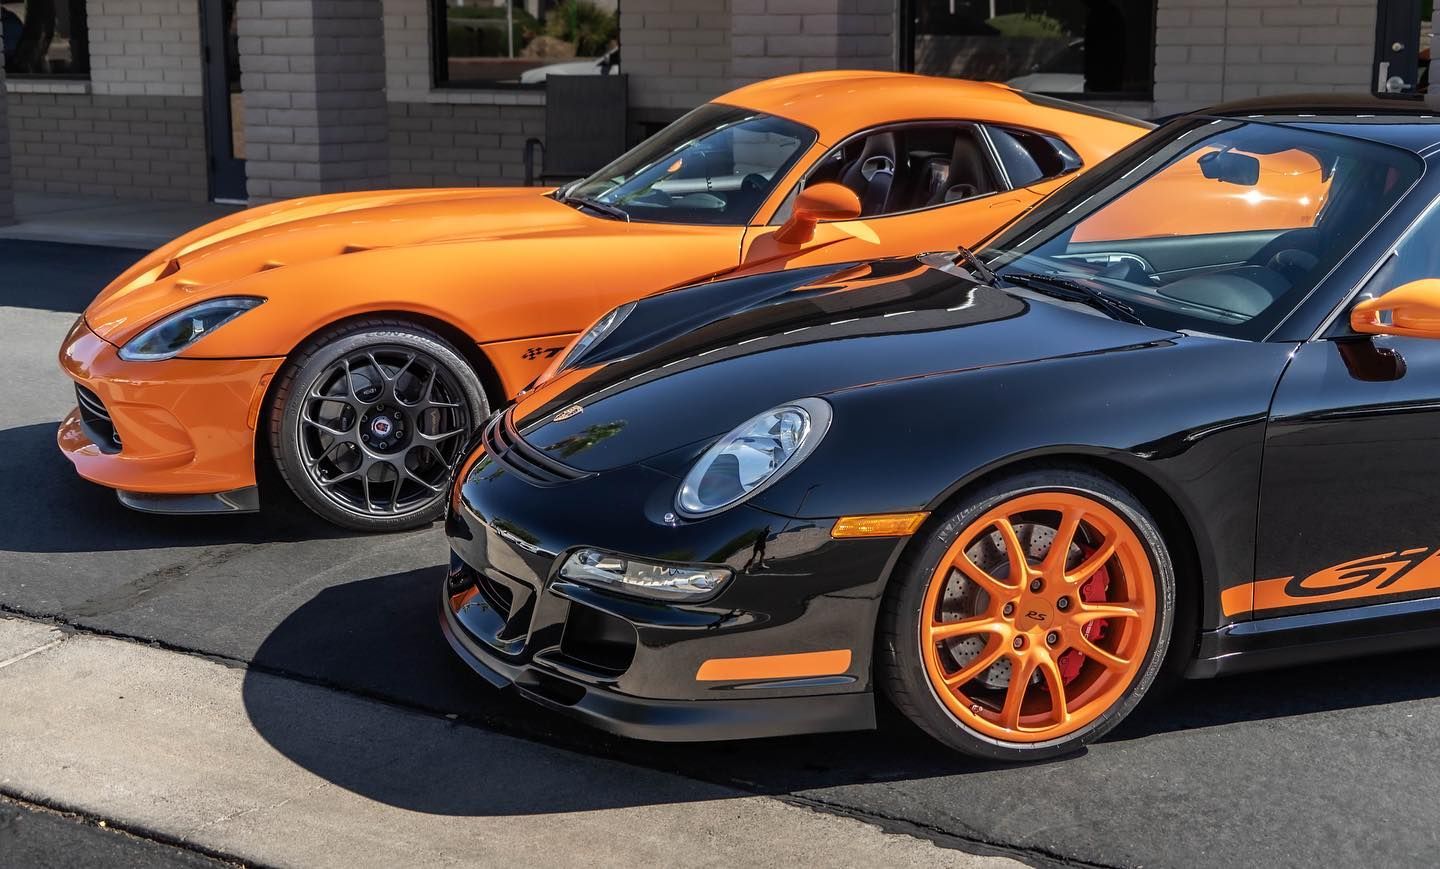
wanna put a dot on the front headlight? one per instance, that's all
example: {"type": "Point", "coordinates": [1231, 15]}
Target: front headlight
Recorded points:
{"type": "Point", "coordinates": [752, 457]}
{"type": "Point", "coordinates": [178, 331]}
{"type": "Point", "coordinates": [644, 578]}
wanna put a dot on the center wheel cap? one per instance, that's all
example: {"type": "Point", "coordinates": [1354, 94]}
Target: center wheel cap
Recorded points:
{"type": "Point", "coordinates": [383, 429]}
{"type": "Point", "coordinates": [1035, 613]}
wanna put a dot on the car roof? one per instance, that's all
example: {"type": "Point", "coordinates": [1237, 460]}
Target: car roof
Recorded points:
{"type": "Point", "coordinates": [1406, 123]}
{"type": "Point", "coordinates": [838, 102]}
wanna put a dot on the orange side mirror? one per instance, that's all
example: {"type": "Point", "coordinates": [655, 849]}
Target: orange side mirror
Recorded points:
{"type": "Point", "coordinates": [825, 201]}
{"type": "Point", "coordinates": [1413, 308]}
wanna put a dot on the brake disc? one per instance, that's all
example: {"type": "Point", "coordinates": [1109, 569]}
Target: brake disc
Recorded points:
{"type": "Point", "coordinates": [964, 599]}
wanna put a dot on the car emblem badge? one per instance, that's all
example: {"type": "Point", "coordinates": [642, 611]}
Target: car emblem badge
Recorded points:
{"type": "Point", "coordinates": [381, 426]}
{"type": "Point", "coordinates": [572, 410]}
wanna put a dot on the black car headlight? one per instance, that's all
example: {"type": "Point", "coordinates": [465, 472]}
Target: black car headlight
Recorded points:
{"type": "Point", "coordinates": [753, 457]}
{"type": "Point", "coordinates": [178, 331]}
{"type": "Point", "coordinates": [645, 578]}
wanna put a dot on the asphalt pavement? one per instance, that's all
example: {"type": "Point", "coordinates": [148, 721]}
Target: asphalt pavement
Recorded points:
{"type": "Point", "coordinates": [1327, 764]}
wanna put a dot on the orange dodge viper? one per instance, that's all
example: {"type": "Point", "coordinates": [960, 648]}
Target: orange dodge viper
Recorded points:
{"type": "Point", "coordinates": [356, 339]}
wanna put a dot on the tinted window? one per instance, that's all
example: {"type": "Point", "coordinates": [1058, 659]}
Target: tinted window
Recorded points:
{"type": "Point", "coordinates": [1223, 229]}
{"type": "Point", "coordinates": [44, 39]}
{"type": "Point", "coordinates": [716, 165]}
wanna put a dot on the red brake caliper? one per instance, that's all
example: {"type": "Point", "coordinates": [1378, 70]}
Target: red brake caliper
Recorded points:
{"type": "Point", "coordinates": [1095, 590]}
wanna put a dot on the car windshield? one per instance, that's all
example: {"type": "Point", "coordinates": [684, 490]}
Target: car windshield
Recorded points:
{"type": "Point", "coordinates": [1223, 229]}
{"type": "Point", "coordinates": [715, 165]}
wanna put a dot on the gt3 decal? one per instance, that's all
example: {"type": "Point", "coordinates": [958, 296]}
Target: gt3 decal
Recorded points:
{"type": "Point", "coordinates": [1387, 574]}
{"type": "Point", "coordinates": [538, 352]}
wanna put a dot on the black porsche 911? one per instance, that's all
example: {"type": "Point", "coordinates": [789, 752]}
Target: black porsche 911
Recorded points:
{"type": "Point", "coordinates": [1007, 490]}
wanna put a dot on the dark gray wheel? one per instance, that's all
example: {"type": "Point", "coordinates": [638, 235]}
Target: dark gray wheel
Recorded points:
{"type": "Point", "coordinates": [369, 422]}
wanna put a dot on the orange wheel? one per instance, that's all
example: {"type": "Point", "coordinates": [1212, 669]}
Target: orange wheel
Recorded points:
{"type": "Point", "coordinates": [1037, 616]}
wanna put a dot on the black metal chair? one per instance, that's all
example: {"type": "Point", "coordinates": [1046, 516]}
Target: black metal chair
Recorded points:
{"type": "Point", "coordinates": [586, 124]}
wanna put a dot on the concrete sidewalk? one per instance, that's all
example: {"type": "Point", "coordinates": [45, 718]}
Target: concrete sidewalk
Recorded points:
{"type": "Point", "coordinates": [100, 220]}
{"type": "Point", "coordinates": [166, 742]}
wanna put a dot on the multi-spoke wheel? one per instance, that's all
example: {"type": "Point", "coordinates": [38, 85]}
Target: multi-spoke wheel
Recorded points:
{"type": "Point", "coordinates": [1033, 620]}
{"type": "Point", "coordinates": [368, 425]}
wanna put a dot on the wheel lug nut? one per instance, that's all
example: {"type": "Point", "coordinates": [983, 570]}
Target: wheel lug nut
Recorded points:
{"type": "Point", "coordinates": [1036, 585]}
{"type": "Point", "coordinates": [1019, 642]}
{"type": "Point", "coordinates": [396, 414]}
{"type": "Point", "coordinates": [365, 438]}
{"type": "Point", "coordinates": [1053, 637]}
{"type": "Point", "coordinates": [1062, 604]}
{"type": "Point", "coordinates": [1009, 609]}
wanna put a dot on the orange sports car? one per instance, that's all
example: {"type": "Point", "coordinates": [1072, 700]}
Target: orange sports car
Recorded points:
{"type": "Point", "coordinates": [355, 340]}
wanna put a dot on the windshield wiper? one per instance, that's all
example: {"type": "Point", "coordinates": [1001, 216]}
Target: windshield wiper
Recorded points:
{"type": "Point", "coordinates": [596, 205]}
{"type": "Point", "coordinates": [1059, 287]}
{"type": "Point", "coordinates": [966, 257]}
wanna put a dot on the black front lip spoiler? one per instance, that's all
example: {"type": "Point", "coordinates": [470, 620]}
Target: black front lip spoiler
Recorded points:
{"type": "Point", "coordinates": [663, 720]}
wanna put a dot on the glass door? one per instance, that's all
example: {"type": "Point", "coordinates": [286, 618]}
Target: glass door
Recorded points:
{"type": "Point", "coordinates": [224, 101]}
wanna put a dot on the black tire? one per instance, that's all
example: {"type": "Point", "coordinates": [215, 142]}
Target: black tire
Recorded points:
{"type": "Point", "coordinates": [416, 473]}
{"type": "Point", "coordinates": [900, 668]}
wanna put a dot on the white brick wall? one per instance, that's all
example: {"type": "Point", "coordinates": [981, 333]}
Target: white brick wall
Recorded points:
{"type": "Point", "coordinates": [7, 193]}
{"type": "Point", "coordinates": [677, 53]}
{"type": "Point", "coordinates": [778, 37]}
{"type": "Point", "coordinates": [1209, 51]}
{"type": "Point", "coordinates": [149, 47]}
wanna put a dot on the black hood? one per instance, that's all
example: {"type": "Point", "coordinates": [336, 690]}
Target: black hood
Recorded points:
{"type": "Point", "coordinates": [687, 366]}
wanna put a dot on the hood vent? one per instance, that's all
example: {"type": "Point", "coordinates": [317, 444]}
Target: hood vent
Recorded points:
{"type": "Point", "coordinates": [354, 248]}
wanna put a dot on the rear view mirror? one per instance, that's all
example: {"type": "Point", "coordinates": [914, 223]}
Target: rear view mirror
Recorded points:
{"type": "Point", "coordinates": [1231, 167]}
{"type": "Point", "coordinates": [1411, 310]}
{"type": "Point", "coordinates": [825, 201]}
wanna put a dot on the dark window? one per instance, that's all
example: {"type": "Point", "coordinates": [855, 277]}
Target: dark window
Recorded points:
{"type": "Point", "coordinates": [1074, 47]}
{"type": "Point", "coordinates": [45, 38]}
{"type": "Point", "coordinates": [905, 168]}
{"type": "Point", "coordinates": [1031, 157]}
{"type": "Point", "coordinates": [510, 43]}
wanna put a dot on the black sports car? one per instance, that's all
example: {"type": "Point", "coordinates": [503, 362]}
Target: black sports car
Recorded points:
{"type": "Point", "coordinates": [1010, 490]}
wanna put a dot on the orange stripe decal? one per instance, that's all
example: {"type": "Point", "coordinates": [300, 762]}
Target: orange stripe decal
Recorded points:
{"type": "Point", "coordinates": [797, 666]}
{"type": "Point", "coordinates": [1237, 599]}
{"type": "Point", "coordinates": [1374, 575]}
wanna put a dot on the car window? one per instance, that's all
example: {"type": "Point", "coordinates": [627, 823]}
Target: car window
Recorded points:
{"type": "Point", "coordinates": [906, 168]}
{"type": "Point", "coordinates": [1416, 257]}
{"type": "Point", "coordinates": [716, 165]}
{"type": "Point", "coordinates": [1224, 229]}
{"type": "Point", "coordinates": [1289, 193]}
{"type": "Point", "coordinates": [1029, 157]}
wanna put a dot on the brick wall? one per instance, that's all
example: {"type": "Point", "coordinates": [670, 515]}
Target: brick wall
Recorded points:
{"type": "Point", "coordinates": [137, 128]}
{"type": "Point", "coordinates": [449, 137]}
{"type": "Point", "coordinates": [677, 53]}
{"type": "Point", "coordinates": [777, 37]}
{"type": "Point", "coordinates": [7, 197]}
{"type": "Point", "coordinates": [1212, 50]}
{"type": "Point", "coordinates": [313, 72]}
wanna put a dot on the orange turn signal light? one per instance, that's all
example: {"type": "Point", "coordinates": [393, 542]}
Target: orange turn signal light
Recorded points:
{"type": "Point", "coordinates": [882, 525]}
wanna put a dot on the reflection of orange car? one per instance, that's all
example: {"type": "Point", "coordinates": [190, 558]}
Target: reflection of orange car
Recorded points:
{"type": "Point", "coordinates": [363, 335]}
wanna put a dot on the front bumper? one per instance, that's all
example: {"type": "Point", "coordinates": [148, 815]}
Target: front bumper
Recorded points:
{"type": "Point", "coordinates": [178, 427]}
{"type": "Point", "coordinates": [784, 648]}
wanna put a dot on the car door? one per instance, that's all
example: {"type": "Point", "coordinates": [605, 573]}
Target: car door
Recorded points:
{"type": "Point", "coordinates": [922, 186]}
{"type": "Point", "coordinates": [1351, 466]}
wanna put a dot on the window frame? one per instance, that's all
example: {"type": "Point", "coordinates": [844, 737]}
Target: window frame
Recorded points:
{"type": "Point", "coordinates": [906, 34]}
{"type": "Point", "coordinates": [440, 59]}
{"type": "Point", "coordinates": [79, 22]}
{"type": "Point", "coordinates": [782, 211]}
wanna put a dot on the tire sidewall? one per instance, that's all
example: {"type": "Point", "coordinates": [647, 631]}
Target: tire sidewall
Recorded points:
{"type": "Point", "coordinates": [908, 665]}
{"type": "Point", "coordinates": [310, 366]}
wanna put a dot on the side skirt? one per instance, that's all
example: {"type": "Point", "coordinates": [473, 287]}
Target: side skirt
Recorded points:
{"type": "Point", "coordinates": [1312, 637]}
{"type": "Point", "coordinates": [245, 500]}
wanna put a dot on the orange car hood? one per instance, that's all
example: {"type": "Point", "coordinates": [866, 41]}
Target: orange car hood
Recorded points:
{"type": "Point", "coordinates": [214, 260]}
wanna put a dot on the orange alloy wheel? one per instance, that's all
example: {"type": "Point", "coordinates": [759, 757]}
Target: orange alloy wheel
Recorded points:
{"type": "Point", "coordinates": [1038, 618]}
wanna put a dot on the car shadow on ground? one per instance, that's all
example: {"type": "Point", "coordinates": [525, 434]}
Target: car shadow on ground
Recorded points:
{"type": "Point", "coordinates": [58, 277]}
{"type": "Point", "coordinates": [51, 509]}
{"type": "Point", "coordinates": [380, 637]}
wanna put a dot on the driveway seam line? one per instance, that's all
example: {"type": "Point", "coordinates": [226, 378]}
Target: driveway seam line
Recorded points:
{"type": "Point", "coordinates": [15, 659]}
{"type": "Point", "coordinates": [891, 824]}
{"type": "Point", "coordinates": [139, 831]}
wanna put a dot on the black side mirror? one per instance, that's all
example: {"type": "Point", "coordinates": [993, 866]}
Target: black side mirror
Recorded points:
{"type": "Point", "coordinates": [1229, 167]}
